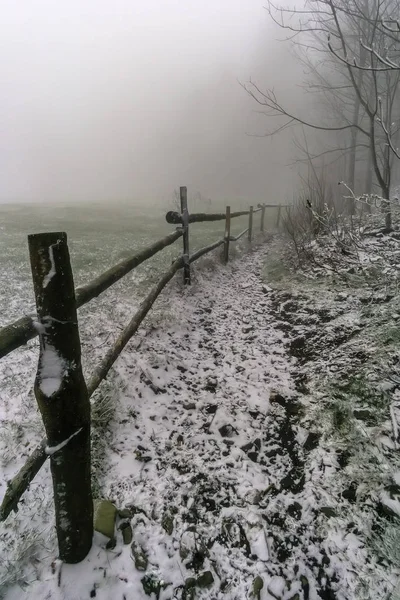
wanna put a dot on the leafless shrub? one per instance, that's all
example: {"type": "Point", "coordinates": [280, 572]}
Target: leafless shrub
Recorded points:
{"type": "Point", "coordinates": [313, 214]}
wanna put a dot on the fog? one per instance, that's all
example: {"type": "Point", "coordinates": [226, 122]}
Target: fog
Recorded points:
{"type": "Point", "coordinates": [127, 100]}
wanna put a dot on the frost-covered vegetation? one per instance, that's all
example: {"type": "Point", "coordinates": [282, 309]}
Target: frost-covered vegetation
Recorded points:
{"type": "Point", "coordinates": [247, 436]}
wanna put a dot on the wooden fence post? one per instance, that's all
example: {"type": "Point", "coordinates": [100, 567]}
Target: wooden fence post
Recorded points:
{"type": "Point", "coordinates": [61, 394]}
{"type": "Point", "coordinates": [278, 221]}
{"type": "Point", "coordinates": [227, 234]}
{"type": "Point", "coordinates": [262, 217]}
{"type": "Point", "coordinates": [251, 223]}
{"type": "Point", "coordinates": [185, 222]}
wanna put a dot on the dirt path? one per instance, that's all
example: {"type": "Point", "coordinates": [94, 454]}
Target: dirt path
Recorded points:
{"type": "Point", "coordinates": [207, 454]}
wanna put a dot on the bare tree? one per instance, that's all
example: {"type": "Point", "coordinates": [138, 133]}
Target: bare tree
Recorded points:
{"type": "Point", "coordinates": [362, 101]}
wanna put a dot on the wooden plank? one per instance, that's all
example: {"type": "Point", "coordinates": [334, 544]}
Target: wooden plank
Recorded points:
{"type": "Point", "coordinates": [61, 394]}
{"type": "Point", "coordinates": [174, 218]}
{"type": "Point", "coordinates": [17, 486]}
{"type": "Point", "coordinates": [227, 234]}
{"type": "Point", "coordinates": [205, 250]}
{"type": "Point", "coordinates": [236, 238]}
{"type": "Point", "coordinates": [185, 223]}
{"type": "Point", "coordinates": [93, 289]}
{"type": "Point", "coordinates": [19, 332]}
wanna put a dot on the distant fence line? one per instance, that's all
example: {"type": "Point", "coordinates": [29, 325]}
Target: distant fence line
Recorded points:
{"type": "Point", "coordinates": [60, 389]}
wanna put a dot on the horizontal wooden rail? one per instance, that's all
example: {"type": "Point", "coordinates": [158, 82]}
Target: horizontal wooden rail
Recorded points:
{"type": "Point", "coordinates": [18, 485]}
{"type": "Point", "coordinates": [102, 370]}
{"type": "Point", "coordinates": [205, 250]}
{"type": "Point", "coordinates": [236, 238]}
{"type": "Point", "coordinates": [174, 218]}
{"type": "Point", "coordinates": [273, 205]}
{"type": "Point", "coordinates": [21, 331]}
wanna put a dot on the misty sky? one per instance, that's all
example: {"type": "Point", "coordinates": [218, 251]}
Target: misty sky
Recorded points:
{"type": "Point", "coordinates": [128, 99]}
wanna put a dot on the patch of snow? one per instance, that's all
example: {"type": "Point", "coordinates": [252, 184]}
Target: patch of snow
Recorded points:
{"type": "Point", "coordinates": [52, 271]}
{"type": "Point", "coordinates": [392, 503]}
{"type": "Point", "coordinates": [50, 450]}
{"type": "Point", "coordinates": [51, 371]}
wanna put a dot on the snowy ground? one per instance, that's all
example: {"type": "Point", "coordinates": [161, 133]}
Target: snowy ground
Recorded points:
{"type": "Point", "coordinates": [213, 447]}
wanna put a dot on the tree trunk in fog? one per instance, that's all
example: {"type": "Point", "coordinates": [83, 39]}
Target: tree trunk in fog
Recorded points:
{"type": "Point", "coordinates": [368, 180]}
{"type": "Point", "coordinates": [351, 176]}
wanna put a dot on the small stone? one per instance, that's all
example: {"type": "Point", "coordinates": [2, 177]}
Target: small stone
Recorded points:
{"type": "Point", "coordinates": [125, 513]}
{"type": "Point", "coordinates": [294, 510]}
{"type": "Point", "coordinates": [362, 414]}
{"type": "Point", "coordinates": [247, 447]}
{"type": "Point", "coordinates": [277, 397]}
{"type": "Point", "coordinates": [190, 583]}
{"type": "Point", "coordinates": [139, 556]}
{"type": "Point", "coordinates": [266, 289]}
{"type": "Point", "coordinates": [151, 585]}
{"type": "Point", "coordinates": [167, 523]}
{"type": "Point", "coordinates": [141, 457]}
{"type": "Point", "coordinates": [227, 431]}
{"type": "Point", "coordinates": [257, 586]}
{"type": "Point", "coordinates": [105, 515]}
{"type": "Point", "coordinates": [328, 511]}
{"type": "Point", "coordinates": [350, 493]}
{"type": "Point", "coordinates": [211, 385]}
{"type": "Point", "coordinates": [312, 441]}
{"type": "Point", "coordinates": [253, 456]}
{"type": "Point", "coordinates": [247, 329]}
{"type": "Point", "coordinates": [254, 414]}
{"type": "Point", "coordinates": [111, 543]}
{"type": "Point", "coordinates": [127, 533]}
{"type": "Point", "coordinates": [305, 585]}
{"type": "Point", "coordinates": [189, 406]}
{"type": "Point", "coordinates": [205, 579]}
{"type": "Point", "coordinates": [341, 297]}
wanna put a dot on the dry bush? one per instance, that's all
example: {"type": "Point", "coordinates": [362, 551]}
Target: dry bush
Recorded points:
{"type": "Point", "coordinates": [313, 213]}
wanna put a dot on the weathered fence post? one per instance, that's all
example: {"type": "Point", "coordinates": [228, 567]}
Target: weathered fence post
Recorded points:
{"type": "Point", "coordinates": [251, 223]}
{"type": "Point", "coordinates": [61, 394]}
{"type": "Point", "coordinates": [227, 234]}
{"type": "Point", "coordinates": [278, 220]}
{"type": "Point", "coordinates": [262, 217]}
{"type": "Point", "coordinates": [185, 223]}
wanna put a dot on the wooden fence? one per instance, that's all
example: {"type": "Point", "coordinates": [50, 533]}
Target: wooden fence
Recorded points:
{"type": "Point", "coordinates": [60, 389]}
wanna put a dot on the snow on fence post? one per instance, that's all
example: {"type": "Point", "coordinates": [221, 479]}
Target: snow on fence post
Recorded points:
{"type": "Point", "coordinates": [227, 234]}
{"type": "Point", "coordinates": [251, 223]}
{"type": "Point", "coordinates": [278, 220]}
{"type": "Point", "coordinates": [185, 223]}
{"type": "Point", "coordinates": [61, 394]}
{"type": "Point", "coordinates": [262, 217]}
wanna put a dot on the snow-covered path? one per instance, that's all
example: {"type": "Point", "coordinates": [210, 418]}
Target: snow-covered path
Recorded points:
{"type": "Point", "coordinates": [207, 456]}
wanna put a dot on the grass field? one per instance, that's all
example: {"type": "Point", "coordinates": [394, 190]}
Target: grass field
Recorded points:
{"type": "Point", "coordinates": [98, 237]}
